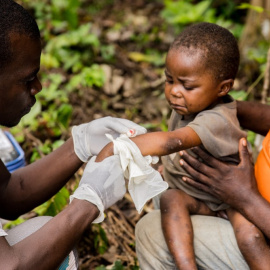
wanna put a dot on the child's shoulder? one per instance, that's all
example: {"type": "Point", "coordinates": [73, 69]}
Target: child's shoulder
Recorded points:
{"type": "Point", "coordinates": [225, 108]}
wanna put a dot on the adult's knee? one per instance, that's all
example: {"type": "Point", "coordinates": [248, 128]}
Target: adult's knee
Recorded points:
{"type": "Point", "coordinates": [23, 230]}
{"type": "Point", "coordinates": [145, 229]}
{"type": "Point", "coordinates": [151, 248]}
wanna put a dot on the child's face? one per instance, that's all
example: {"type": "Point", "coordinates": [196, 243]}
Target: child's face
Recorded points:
{"type": "Point", "coordinates": [189, 88]}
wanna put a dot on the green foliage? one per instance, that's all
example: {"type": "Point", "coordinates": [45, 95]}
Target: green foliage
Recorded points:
{"type": "Point", "coordinates": [151, 56]}
{"type": "Point", "coordinates": [88, 77]}
{"type": "Point", "coordinates": [58, 15]}
{"type": "Point", "coordinates": [251, 136]}
{"type": "Point", "coordinates": [97, 6]}
{"type": "Point", "coordinates": [13, 223]}
{"type": "Point", "coordinates": [259, 53]}
{"type": "Point", "coordinates": [100, 239]}
{"type": "Point", "coordinates": [66, 10]}
{"type": "Point", "coordinates": [239, 95]}
{"type": "Point", "coordinates": [73, 49]}
{"type": "Point", "coordinates": [182, 13]}
{"type": "Point", "coordinates": [249, 6]}
{"type": "Point", "coordinates": [107, 52]}
{"type": "Point", "coordinates": [44, 149]}
{"type": "Point", "coordinates": [51, 84]}
{"type": "Point", "coordinates": [55, 205]}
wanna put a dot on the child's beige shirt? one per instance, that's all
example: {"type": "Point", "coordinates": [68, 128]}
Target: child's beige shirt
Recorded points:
{"type": "Point", "coordinates": [219, 131]}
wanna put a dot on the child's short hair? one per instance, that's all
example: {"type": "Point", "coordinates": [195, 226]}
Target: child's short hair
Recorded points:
{"type": "Point", "coordinates": [218, 45]}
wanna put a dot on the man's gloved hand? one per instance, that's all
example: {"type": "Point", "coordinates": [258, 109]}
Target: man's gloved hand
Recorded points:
{"type": "Point", "coordinates": [102, 184]}
{"type": "Point", "coordinates": [90, 138]}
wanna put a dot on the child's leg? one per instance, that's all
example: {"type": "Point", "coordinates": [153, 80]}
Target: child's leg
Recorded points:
{"type": "Point", "coordinates": [251, 241]}
{"type": "Point", "coordinates": [176, 207]}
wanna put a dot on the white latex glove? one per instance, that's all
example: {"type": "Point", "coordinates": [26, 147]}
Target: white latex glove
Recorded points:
{"type": "Point", "coordinates": [89, 138]}
{"type": "Point", "coordinates": [144, 182]}
{"type": "Point", "coordinates": [102, 184]}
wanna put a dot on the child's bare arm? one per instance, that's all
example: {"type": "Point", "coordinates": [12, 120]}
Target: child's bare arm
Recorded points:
{"type": "Point", "coordinates": [159, 143]}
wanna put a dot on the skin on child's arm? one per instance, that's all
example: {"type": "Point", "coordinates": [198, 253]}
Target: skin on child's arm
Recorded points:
{"type": "Point", "coordinates": [159, 143]}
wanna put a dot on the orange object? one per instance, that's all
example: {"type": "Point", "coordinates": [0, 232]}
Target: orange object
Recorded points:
{"type": "Point", "coordinates": [262, 168]}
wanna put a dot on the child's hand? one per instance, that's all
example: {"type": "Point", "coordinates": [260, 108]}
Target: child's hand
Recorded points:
{"type": "Point", "coordinates": [160, 170]}
{"type": "Point", "coordinates": [222, 214]}
{"type": "Point", "coordinates": [107, 151]}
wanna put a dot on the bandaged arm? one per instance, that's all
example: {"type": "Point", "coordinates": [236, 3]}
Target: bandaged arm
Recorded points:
{"type": "Point", "coordinates": [159, 143]}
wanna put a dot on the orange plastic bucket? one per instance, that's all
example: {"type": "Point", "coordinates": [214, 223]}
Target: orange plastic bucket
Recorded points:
{"type": "Point", "coordinates": [262, 168]}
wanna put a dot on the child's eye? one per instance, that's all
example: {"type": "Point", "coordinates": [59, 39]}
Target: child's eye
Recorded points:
{"type": "Point", "coordinates": [188, 87]}
{"type": "Point", "coordinates": [169, 81]}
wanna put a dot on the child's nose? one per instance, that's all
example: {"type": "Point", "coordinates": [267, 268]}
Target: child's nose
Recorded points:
{"type": "Point", "coordinates": [176, 91]}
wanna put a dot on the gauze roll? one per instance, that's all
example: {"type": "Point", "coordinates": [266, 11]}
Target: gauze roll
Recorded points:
{"type": "Point", "coordinates": [144, 182]}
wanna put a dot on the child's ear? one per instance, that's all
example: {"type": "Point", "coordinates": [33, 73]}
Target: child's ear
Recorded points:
{"type": "Point", "coordinates": [224, 87]}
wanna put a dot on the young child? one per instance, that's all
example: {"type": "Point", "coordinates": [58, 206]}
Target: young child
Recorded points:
{"type": "Point", "coordinates": [201, 66]}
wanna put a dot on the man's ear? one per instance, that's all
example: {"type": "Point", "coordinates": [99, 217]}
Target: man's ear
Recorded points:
{"type": "Point", "coordinates": [224, 87]}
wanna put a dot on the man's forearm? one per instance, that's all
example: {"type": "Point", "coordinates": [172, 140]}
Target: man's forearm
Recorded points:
{"type": "Point", "coordinates": [47, 247]}
{"type": "Point", "coordinates": [254, 116]}
{"type": "Point", "coordinates": [257, 210]}
{"type": "Point", "coordinates": [37, 182]}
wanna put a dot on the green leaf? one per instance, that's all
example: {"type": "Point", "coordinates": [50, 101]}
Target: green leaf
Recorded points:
{"type": "Point", "coordinates": [239, 95]}
{"type": "Point", "coordinates": [249, 6]}
{"type": "Point", "coordinates": [64, 115]}
{"type": "Point", "coordinates": [56, 144]}
{"type": "Point", "coordinates": [13, 223]}
{"type": "Point", "coordinates": [55, 205]}
{"type": "Point", "coordinates": [30, 118]}
{"type": "Point", "coordinates": [118, 266]}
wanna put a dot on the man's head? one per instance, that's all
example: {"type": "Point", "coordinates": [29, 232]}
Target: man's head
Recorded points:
{"type": "Point", "coordinates": [201, 66]}
{"type": "Point", "coordinates": [20, 50]}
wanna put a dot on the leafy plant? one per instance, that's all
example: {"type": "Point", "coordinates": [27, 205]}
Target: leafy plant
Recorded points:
{"type": "Point", "coordinates": [151, 56]}
{"type": "Point", "coordinates": [88, 77]}
{"type": "Point", "coordinates": [249, 6]}
{"type": "Point", "coordinates": [54, 205]}
{"type": "Point", "coordinates": [239, 95]}
{"type": "Point", "coordinates": [72, 49]}
{"type": "Point", "coordinates": [13, 223]}
{"type": "Point", "coordinates": [100, 238]}
{"type": "Point", "coordinates": [181, 13]}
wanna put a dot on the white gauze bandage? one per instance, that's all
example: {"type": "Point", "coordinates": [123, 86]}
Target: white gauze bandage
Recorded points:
{"type": "Point", "coordinates": [144, 181]}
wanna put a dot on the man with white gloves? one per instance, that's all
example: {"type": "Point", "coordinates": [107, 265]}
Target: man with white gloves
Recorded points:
{"type": "Point", "coordinates": [42, 242]}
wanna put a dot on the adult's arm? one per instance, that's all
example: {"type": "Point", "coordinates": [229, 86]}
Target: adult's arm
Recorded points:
{"type": "Point", "coordinates": [254, 116]}
{"type": "Point", "coordinates": [48, 247]}
{"type": "Point", "coordinates": [30, 186]}
{"type": "Point", "coordinates": [234, 185]}
{"type": "Point", "coordinates": [102, 185]}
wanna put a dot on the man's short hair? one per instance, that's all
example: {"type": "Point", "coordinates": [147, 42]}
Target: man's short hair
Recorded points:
{"type": "Point", "coordinates": [14, 19]}
{"type": "Point", "coordinates": [217, 46]}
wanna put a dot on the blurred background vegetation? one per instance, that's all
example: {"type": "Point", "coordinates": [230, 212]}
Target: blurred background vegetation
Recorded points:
{"type": "Point", "coordinates": [106, 57]}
